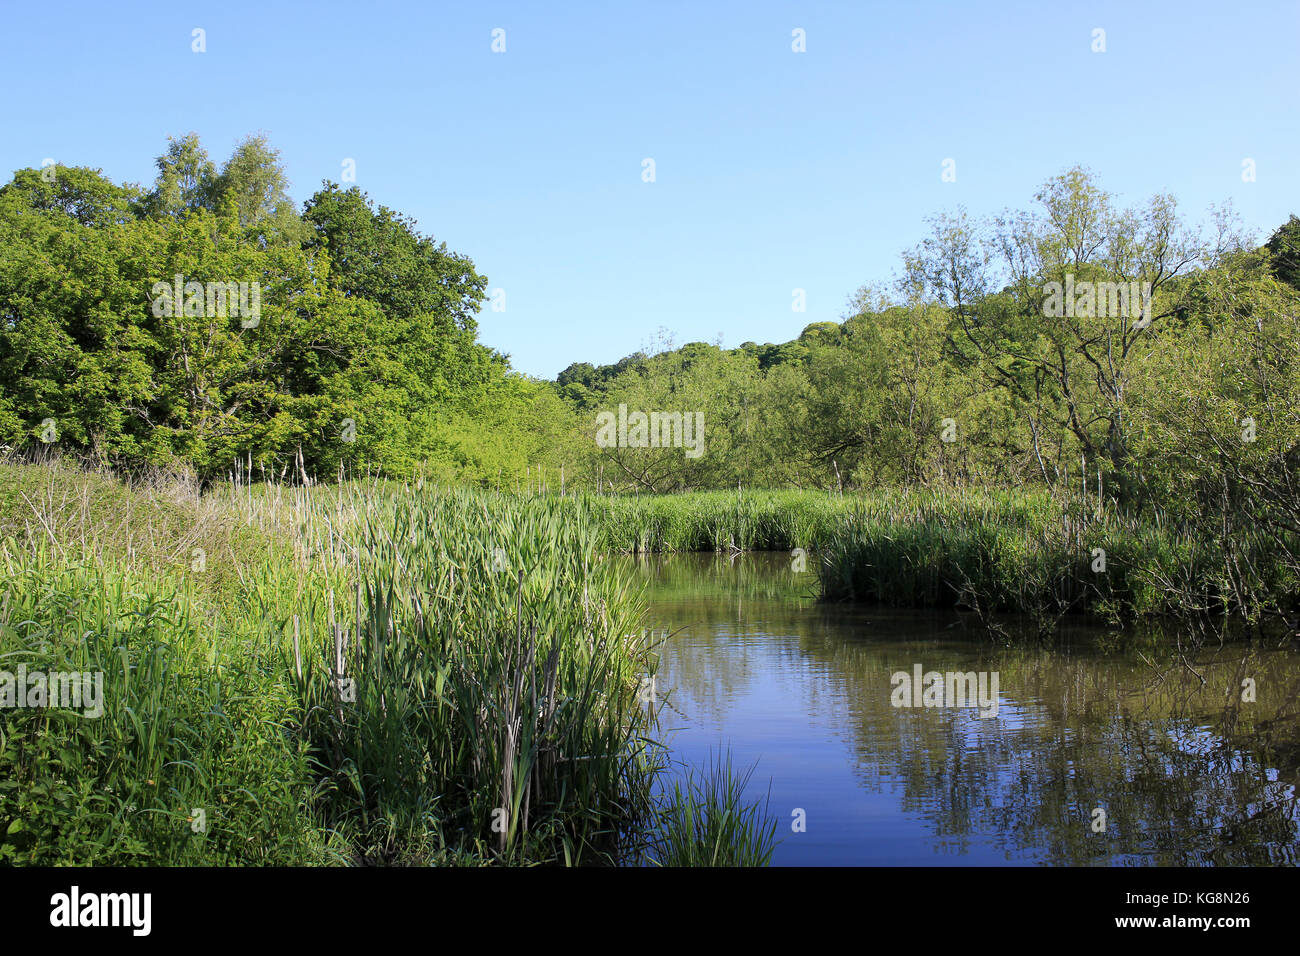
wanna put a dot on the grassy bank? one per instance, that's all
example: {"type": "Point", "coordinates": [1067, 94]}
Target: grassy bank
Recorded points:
{"type": "Point", "coordinates": [1026, 553]}
{"type": "Point", "coordinates": [342, 675]}
{"type": "Point", "coordinates": [991, 551]}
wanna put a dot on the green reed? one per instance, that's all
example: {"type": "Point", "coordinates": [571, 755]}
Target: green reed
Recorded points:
{"type": "Point", "coordinates": [388, 675]}
{"type": "Point", "coordinates": [187, 763]}
{"type": "Point", "coordinates": [708, 821]}
{"type": "Point", "coordinates": [494, 660]}
{"type": "Point", "coordinates": [1014, 552]}
{"type": "Point", "coordinates": [716, 520]}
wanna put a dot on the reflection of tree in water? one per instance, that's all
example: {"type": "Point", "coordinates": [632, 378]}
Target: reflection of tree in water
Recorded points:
{"type": "Point", "coordinates": [1187, 774]}
{"type": "Point", "coordinates": [709, 600]}
{"type": "Point", "coordinates": [722, 651]}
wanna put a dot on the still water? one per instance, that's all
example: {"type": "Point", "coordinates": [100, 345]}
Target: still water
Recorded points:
{"type": "Point", "coordinates": [1096, 755]}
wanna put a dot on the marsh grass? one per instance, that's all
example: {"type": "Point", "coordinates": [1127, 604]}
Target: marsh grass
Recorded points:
{"type": "Point", "coordinates": [707, 820]}
{"type": "Point", "coordinates": [191, 722]}
{"type": "Point", "coordinates": [159, 523]}
{"type": "Point", "coordinates": [495, 659]}
{"type": "Point", "coordinates": [997, 552]}
{"type": "Point", "coordinates": [994, 552]}
{"type": "Point", "coordinates": [370, 673]}
{"type": "Point", "coordinates": [716, 520]}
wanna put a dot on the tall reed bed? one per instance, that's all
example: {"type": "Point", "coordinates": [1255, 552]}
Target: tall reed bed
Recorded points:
{"type": "Point", "coordinates": [993, 551]}
{"type": "Point", "coordinates": [716, 520]}
{"type": "Point", "coordinates": [477, 683]}
{"type": "Point", "coordinates": [1009, 551]}
{"type": "Point", "coordinates": [386, 675]}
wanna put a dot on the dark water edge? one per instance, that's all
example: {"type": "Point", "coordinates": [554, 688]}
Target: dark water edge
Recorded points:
{"type": "Point", "coordinates": [1185, 771]}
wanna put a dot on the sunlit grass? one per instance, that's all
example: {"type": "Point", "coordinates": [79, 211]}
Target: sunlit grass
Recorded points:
{"type": "Point", "coordinates": [708, 821]}
{"type": "Point", "coordinates": [716, 520]}
{"type": "Point", "coordinates": [367, 672]}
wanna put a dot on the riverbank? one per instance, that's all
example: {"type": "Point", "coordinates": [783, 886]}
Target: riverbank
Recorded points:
{"type": "Point", "coordinates": [358, 674]}
{"type": "Point", "coordinates": [990, 551]}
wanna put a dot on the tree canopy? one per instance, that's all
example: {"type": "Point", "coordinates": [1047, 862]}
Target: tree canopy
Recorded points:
{"type": "Point", "coordinates": [1047, 345]}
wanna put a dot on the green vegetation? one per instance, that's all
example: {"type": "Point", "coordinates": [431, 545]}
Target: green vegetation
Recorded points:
{"type": "Point", "coordinates": [434, 664]}
{"type": "Point", "coordinates": [1019, 553]}
{"type": "Point", "coordinates": [193, 714]}
{"type": "Point", "coordinates": [397, 676]}
{"type": "Point", "coordinates": [495, 660]}
{"type": "Point", "coordinates": [993, 552]}
{"type": "Point", "coordinates": [717, 520]}
{"type": "Point", "coordinates": [1174, 407]}
{"type": "Point", "coordinates": [363, 327]}
{"type": "Point", "coordinates": [707, 822]}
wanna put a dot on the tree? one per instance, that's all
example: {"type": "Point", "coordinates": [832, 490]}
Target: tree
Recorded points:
{"type": "Point", "coordinates": [187, 179]}
{"type": "Point", "coordinates": [82, 194]}
{"type": "Point", "coordinates": [1071, 364]}
{"type": "Point", "coordinates": [583, 373]}
{"type": "Point", "coordinates": [254, 180]}
{"type": "Point", "coordinates": [1284, 247]}
{"type": "Point", "coordinates": [362, 351]}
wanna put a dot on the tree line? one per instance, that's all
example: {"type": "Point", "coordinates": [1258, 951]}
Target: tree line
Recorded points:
{"type": "Point", "coordinates": [364, 355]}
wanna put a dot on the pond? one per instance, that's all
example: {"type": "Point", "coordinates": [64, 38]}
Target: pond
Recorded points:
{"type": "Point", "coordinates": [1098, 749]}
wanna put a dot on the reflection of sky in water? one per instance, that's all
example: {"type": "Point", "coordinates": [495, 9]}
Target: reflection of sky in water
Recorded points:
{"type": "Point", "coordinates": [804, 692]}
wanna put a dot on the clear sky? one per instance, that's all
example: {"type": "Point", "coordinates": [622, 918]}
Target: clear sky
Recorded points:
{"type": "Point", "coordinates": [774, 170]}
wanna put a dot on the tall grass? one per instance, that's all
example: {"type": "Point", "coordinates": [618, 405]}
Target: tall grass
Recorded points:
{"type": "Point", "coordinates": [716, 520]}
{"type": "Point", "coordinates": [364, 673]}
{"type": "Point", "coordinates": [707, 821]}
{"type": "Point", "coordinates": [495, 660]}
{"type": "Point", "coordinates": [188, 762]}
{"type": "Point", "coordinates": [159, 523]}
{"type": "Point", "coordinates": [1019, 552]}
{"type": "Point", "coordinates": [992, 551]}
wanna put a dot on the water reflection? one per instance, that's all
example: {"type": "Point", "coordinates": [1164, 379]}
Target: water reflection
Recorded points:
{"type": "Point", "coordinates": [1184, 771]}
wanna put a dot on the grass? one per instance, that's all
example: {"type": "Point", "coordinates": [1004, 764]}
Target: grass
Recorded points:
{"type": "Point", "coordinates": [494, 659]}
{"type": "Point", "coordinates": [189, 763]}
{"type": "Point", "coordinates": [992, 551]}
{"type": "Point", "coordinates": [716, 520]}
{"type": "Point", "coordinates": [364, 674]}
{"type": "Point", "coordinates": [1023, 553]}
{"type": "Point", "coordinates": [162, 524]}
{"type": "Point", "coordinates": [707, 821]}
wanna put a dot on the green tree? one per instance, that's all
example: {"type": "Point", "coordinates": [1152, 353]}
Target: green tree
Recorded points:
{"type": "Point", "coordinates": [187, 179]}
{"type": "Point", "coordinates": [254, 180]}
{"type": "Point", "coordinates": [1284, 247]}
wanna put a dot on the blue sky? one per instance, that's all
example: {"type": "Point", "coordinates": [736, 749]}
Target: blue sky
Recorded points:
{"type": "Point", "coordinates": [774, 170]}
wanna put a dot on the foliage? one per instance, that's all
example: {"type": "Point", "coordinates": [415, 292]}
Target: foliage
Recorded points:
{"type": "Point", "coordinates": [395, 675]}
{"type": "Point", "coordinates": [706, 821]}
